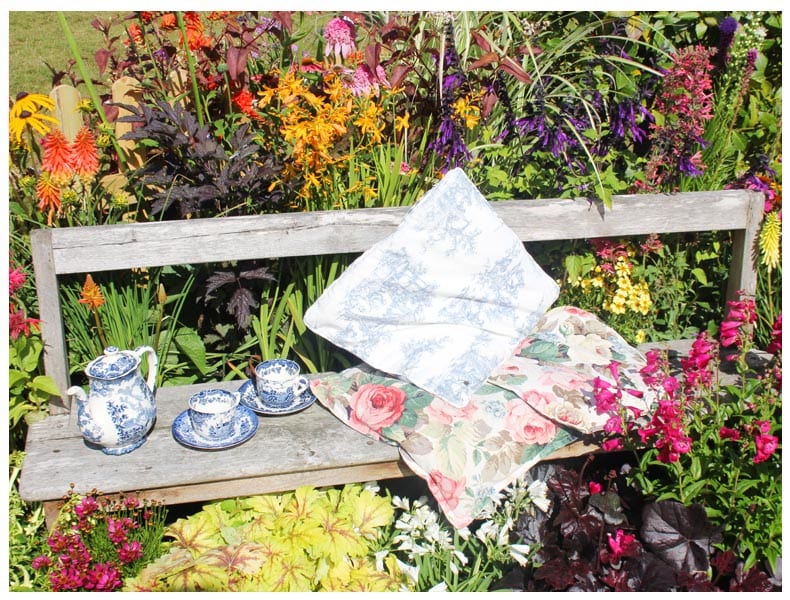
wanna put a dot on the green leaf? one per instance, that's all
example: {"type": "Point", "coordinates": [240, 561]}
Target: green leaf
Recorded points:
{"type": "Point", "coordinates": [700, 276]}
{"type": "Point", "coordinates": [46, 384]}
{"type": "Point", "coordinates": [191, 345]}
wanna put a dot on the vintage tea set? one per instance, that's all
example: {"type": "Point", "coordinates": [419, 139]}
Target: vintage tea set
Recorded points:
{"type": "Point", "coordinates": [119, 411]}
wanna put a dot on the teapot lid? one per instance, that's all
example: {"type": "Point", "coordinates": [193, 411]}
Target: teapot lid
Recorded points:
{"type": "Point", "coordinates": [113, 364]}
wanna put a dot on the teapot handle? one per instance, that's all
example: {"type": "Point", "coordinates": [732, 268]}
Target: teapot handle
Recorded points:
{"type": "Point", "coordinates": [153, 364]}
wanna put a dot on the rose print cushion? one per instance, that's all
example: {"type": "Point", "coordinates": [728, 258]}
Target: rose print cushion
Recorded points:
{"type": "Point", "coordinates": [452, 277]}
{"type": "Point", "coordinates": [538, 401]}
{"type": "Point", "coordinates": [466, 454]}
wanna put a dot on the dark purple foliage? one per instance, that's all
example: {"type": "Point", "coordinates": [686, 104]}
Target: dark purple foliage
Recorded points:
{"type": "Point", "coordinates": [616, 540]}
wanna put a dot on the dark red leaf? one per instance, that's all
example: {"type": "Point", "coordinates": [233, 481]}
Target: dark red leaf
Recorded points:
{"type": "Point", "coordinates": [681, 535]}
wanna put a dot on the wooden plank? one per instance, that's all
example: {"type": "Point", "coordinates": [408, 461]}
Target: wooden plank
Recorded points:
{"type": "Point", "coordinates": [67, 99]}
{"type": "Point", "coordinates": [743, 273]}
{"type": "Point", "coordinates": [122, 246]}
{"type": "Point", "coordinates": [52, 334]}
{"type": "Point", "coordinates": [306, 445]}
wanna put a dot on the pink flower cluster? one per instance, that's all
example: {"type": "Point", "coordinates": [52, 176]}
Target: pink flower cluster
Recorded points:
{"type": "Point", "coordinates": [686, 98]}
{"type": "Point", "coordinates": [72, 566]}
{"type": "Point", "coordinates": [18, 322]}
{"type": "Point", "coordinates": [735, 328]}
{"type": "Point", "coordinates": [697, 371]}
{"type": "Point", "coordinates": [765, 444]}
{"type": "Point", "coordinates": [339, 34]}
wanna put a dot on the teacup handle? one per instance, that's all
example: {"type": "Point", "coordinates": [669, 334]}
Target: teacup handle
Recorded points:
{"type": "Point", "coordinates": [301, 386]}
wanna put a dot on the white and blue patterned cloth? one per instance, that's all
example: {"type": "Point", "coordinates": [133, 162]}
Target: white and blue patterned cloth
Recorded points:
{"type": "Point", "coordinates": [443, 300]}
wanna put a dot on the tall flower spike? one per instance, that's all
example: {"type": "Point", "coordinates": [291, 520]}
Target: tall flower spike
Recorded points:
{"type": "Point", "coordinates": [770, 240]}
{"type": "Point", "coordinates": [84, 155]}
{"type": "Point", "coordinates": [57, 160]}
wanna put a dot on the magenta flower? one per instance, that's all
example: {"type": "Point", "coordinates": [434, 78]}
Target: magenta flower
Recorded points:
{"type": "Point", "coordinates": [595, 488]}
{"type": "Point", "coordinates": [741, 314]}
{"type": "Point", "coordinates": [606, 395]}
{"type": "Point", "coordinates": [766, 446]}
{"type": "Point", "coordinates": [726, 433]}
{"type": "Point", "coordinates": [86, 507]}
{"type": "Point", "coordinates": [104, 577]}
{"type": "Point", "coordinates": [613, 425]}
{"type": "Point", "coordinates": [775, 346]}
{"type": "Point", "coordinates": [339, 34]}
{"type": "Point", "coordinates": [696, 373]}
{"type": "Point", "coordinates": [16, 279]}
{"type": "Point", "coordinates": [130, 551]}
{"type": "Point", "coordinates": [612, 445]}
{"type": "Point", "coordinates": [622, 544]}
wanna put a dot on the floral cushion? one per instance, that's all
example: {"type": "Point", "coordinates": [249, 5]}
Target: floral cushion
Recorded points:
{"type": "Point", "coordinates": [452, 277]}
{"type": "Point", "coordinates": [540, 400]}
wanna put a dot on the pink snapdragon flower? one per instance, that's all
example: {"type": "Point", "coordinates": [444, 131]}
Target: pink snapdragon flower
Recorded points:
{"type": "Point", "coordinates": [741, 314]}
{"type": "Point", "coordinates": [775, 347]}
{"type": "Point", "coordinates": [766, 445]}
{"type": "Point", "coordinates": [727, 433]}
{"type": "Point", "coordinates": [696, 366]}
{"type": "Point", "coordinates": [339, 34]}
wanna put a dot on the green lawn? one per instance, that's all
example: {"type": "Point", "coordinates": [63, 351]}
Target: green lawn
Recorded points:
{"type": "Point", "coordinates": [35, 40]}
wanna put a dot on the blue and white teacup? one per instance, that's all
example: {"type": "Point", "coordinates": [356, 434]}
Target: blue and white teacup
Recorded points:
{"type": "Point", "coordinates": [212, 413]}
{"type": "Point", "coordinates": [278, 383]}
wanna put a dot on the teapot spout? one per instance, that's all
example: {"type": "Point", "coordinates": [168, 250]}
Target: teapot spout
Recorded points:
{"type": "Point", "coordinates": [78, 392]}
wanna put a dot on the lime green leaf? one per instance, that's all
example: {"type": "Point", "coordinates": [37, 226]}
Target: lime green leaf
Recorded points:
{"type": "Point", "coordinates": [46, 384]}
{"type": "Point", "coordinates": [197, 533]}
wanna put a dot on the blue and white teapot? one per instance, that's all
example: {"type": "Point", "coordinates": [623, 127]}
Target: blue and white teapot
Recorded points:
{"type": "Point", "coordinates": [120, 409]}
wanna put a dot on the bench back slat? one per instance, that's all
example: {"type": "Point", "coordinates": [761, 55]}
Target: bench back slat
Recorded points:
{"type": "Point", "coordinates": [124, 246]}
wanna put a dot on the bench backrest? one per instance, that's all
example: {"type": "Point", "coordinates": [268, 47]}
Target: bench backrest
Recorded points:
{"type": "Point", "coordinates": [125, 246]}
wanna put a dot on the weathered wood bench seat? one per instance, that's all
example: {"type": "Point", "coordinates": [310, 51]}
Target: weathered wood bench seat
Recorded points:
{"type": "Point", "coordinates": [312, 446]}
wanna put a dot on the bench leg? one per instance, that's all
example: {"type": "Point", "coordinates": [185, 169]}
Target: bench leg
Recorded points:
{"type": "Point", "coordinates": [51, 511]}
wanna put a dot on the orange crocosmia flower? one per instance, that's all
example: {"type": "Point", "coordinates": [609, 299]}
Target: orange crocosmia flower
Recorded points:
{"type": "Point", "coordinates": [168, 22]}
{"type": "Point", "coordinates": [57, 156]}
{"type": "Point", "coordinates": [91, 294]}
{"type": "Point", "coordinates": [135, 33]}
{"type": "Point", "coordinates": [84, 155]}
{"type": "Point", "coordinates": [244, 100]}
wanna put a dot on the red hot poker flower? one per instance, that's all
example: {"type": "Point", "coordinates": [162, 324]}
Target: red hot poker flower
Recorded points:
{"type": "Point", "coordinates": [57, 159]}
{"type": "Point", "coordinates": [84, 155]}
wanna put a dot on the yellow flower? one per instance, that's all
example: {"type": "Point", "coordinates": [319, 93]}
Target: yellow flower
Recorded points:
{"type": "Point", "coordinates": [26, 111]}
{"type": "Point", "coordinates": [402, 123]}
{"type": "Point", "coordinates": [770, 241]}
{"type": "Point", "coordinates": [467, 111]}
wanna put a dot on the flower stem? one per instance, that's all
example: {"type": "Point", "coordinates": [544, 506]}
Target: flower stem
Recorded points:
{"type": "Point", "coordinates": [191, 67]}
{"type": "Point", "coordinates": [86, 79]}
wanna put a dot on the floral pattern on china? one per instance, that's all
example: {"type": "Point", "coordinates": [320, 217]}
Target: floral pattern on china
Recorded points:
{"type": "Point", "coordinates": [120, 409]}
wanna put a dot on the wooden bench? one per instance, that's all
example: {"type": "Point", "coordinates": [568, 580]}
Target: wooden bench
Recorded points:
{"type": "Point", "coordinates": [311, 447]}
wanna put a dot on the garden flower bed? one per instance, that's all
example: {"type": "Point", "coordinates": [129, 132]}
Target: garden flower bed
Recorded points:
{"type": "Point", "coordinates": [206, 115]}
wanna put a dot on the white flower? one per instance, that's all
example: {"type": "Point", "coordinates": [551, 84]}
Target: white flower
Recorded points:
{"type": "Point", "coordinates": [504, 533]}
{"type": "Point", "coordinates": [461, 557]}
{"type": "Point", "coordinates": [439, 587]}
{"type": "Point", "coordinates": [464, 533]}
{"type": "Point", "coordinates": [487, 531]}
{"type": "Point", "coordinates": [539, 495]}
{"type": "Point", "coordinates": [401, 503]}
{"type": "Point", "coordinates": [373, 486]}
{"type": "Point", "coordinates": [519, 553]}
{"type": "Point", "coordinates": [411, 572]}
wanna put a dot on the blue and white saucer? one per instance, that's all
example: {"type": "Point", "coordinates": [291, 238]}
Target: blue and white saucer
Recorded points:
{"type": "Point", "coordinates": [244, 427]}
{"type": "Point", "coordinates": [249, 399]}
